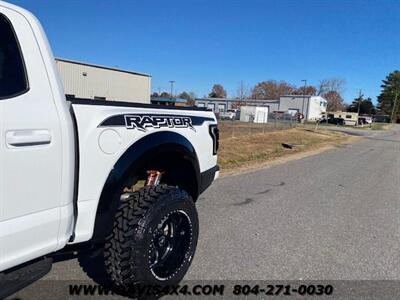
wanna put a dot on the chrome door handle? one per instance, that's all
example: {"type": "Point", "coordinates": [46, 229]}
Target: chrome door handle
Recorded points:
{"type": "Point", "coordinates": [28, 138]}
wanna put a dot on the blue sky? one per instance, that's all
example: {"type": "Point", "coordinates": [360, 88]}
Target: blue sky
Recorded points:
{"type": "Point", "coordinates": [201, 42]}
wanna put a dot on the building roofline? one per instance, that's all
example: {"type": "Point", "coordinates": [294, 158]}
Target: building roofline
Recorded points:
{"type": "Point", "coordinates": [217, 99]}
{"type": "Point", "coordinates": [168, 99]}
{"type": "Point", "coordinates": [101, 67]}
{"type": "Point", "coordinates": [302, 96]}
{"type": "Point", "coordinates": [305, 96]}
{"type": "Point", "coordinates": [299, 96]}
{"type": "Point", "coordinates": [235, 100]}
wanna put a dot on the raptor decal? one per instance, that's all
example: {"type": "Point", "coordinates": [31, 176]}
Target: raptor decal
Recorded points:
{"type": "Point", "coordinates": [143, 121]}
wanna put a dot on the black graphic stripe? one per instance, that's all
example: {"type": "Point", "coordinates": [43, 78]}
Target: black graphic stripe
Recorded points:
{"type": "Point", "coordinates": [119, 120]}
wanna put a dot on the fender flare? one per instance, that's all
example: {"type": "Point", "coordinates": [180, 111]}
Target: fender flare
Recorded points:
{"type": "Point", "coordinates": [132, 160]}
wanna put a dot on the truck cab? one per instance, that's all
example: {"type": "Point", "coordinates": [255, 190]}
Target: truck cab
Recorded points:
{"type": "Point", "coordinates": [37, 151]}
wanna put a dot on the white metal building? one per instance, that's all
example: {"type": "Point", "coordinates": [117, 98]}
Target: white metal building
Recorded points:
{"type": "Point", "coordinates": [88, 81]}
{"type": "Point", "coordinates": [312, 107]}
{"type": "Point", "coordinates": [219, 105]}
{"type": "Point", "coordinates": [256, 114]}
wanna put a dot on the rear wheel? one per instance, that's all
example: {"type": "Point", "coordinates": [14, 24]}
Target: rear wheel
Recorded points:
{"type": "Point", "coordinates": [153, 240]}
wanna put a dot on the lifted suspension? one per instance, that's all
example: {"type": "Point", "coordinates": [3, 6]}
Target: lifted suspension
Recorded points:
{"type": "Point", "coordinates": [153, 177]}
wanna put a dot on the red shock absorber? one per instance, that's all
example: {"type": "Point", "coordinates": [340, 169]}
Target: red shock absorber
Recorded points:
{"type": "Point", "coordinates": [153, 177]}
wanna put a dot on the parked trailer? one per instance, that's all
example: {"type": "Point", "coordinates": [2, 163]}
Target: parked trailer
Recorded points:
{"type": "Point", "coordinates": [349, 118]}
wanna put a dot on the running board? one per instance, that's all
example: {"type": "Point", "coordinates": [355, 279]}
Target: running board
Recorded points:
{"type": "Point", "coordinates": [17, 278]}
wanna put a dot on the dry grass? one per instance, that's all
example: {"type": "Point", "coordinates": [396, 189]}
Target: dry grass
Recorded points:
{"type": "Point", "coordinates": [381, 126]}
{"type": "Point", "coordinates": [250, 150]}
{"type": "Point", "coordinates": [229, 129]}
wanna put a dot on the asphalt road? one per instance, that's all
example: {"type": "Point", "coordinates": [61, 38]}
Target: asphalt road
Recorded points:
{"type": "Point", "coordinates": [334, 216]}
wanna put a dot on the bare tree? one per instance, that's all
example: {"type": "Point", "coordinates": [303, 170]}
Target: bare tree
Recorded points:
{"type": "Point", "coordinates": [309, 90]}
{"type": "Point", "coordinates": [217, 91]}
{"type": "Point", "coordinates": [331, 85]}
{"type": "Point", "coordinates": [332, 89]}
{"type": "Point", "coordinates": [271, 90]}
{"type": "Point", "coordinates": [242, 91]}
{"type": "Point", "coordinates": [193, 95]}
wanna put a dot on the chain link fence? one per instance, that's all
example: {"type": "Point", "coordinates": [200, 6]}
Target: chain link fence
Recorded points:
{"type": "Point", "coordinates": [236, 128]}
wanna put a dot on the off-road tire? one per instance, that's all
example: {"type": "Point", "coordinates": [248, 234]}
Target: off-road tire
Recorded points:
{"type": "Point", "coordinates": [126, 249]}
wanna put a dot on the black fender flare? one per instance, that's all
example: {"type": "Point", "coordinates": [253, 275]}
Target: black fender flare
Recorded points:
{"type": "Point", "coordinates": [132, 160]}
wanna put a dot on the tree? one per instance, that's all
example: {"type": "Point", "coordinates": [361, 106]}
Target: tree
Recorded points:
{"type": "Point", "coordinates": [217, 91]}
{"type": "Point", "coordinates": [364, 104]}
{"type": "Point", "coordinates": [189, 97]}
{"type": "Point", "coordinates": [242, 91]}
{"type": "Point", "coordinates": [331, 85]}
{"type": "Point", "coordinates": [155, 94]}
{"type": "Point", "coordinates": [184, 95]}
{"type": "Point", "coordinates": [367, 107]}
{"type": "Point", "coordinates": [332, 90]}
{"type": "Point", "coordinates": [387, 101]}
{"type": "Point", "coordinates": [309, 90]}
{"type": "Point", "coordinates": [165, 95]}
{"type": "Point", "coordinates": [193, 95]}
{"type": "Point", "coordinates": [271, 90]}
{"type": "Point", "coordinates": [335, 101]}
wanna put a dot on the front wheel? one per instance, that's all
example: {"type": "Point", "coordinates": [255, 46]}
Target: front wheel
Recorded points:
{"type": "Point", "coordinates": [154, 238]}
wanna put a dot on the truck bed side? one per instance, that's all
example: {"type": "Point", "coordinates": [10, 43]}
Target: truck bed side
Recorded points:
{"type": "Point", "coordinates": [107, 130]}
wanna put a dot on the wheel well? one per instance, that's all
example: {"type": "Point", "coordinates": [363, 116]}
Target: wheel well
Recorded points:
{"type": "Point", "coordinates": [178, 165]}
{"type": "Point", "coordinates": [177, 171]}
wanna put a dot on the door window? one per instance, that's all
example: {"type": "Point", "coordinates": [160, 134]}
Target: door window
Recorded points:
{"type": "Point", "coordinates": [13, 79]}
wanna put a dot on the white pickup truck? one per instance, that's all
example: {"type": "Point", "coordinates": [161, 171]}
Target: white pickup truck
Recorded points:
{"type": "Point", "coordinates": [111, 181]}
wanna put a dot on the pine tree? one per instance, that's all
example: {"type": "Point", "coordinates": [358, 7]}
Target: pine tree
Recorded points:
{"type": "Point", "coordinates": [386, 100]}
{"type": "Point", "coordinates": [363, 105]}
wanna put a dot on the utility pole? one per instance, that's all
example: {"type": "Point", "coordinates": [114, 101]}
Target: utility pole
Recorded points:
{"type": "Point", "coordinates": [359, 101]}
{"type": "Point", "coordinates": [394, 108]}
{"type": "Point", "coordinates": [172, 87]}
{"type": "Point", "coordinates": [304, 96]}
{"type": "Point", "coordinates": [358, 109]}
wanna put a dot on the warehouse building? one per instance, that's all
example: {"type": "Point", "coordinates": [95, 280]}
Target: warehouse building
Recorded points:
{"type": "Point", "coordinates": [312, 107]}
{"type": "Point", "coordinates": [166, 101]}
{"type": "Point", "coordinates": [219, 105]}
{"type": "Point", "coordinates": [89, 81]}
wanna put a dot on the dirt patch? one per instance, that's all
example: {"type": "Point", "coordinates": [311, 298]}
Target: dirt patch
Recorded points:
{"type": "Point", "coordinates": [246, 153]}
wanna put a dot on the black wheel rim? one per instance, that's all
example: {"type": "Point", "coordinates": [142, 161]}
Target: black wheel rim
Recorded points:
{"type": "Point", "coordinates": [170, 244]}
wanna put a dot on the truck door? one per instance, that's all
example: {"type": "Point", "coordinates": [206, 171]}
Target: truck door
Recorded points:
{"type": "Point", "coordinates": [30, 147]}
